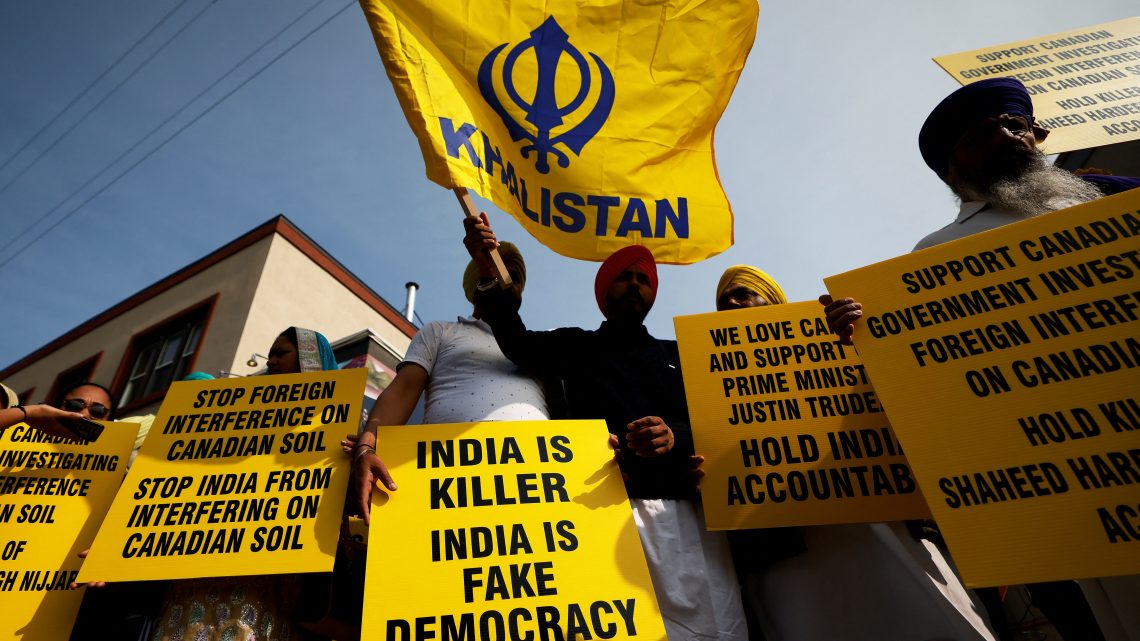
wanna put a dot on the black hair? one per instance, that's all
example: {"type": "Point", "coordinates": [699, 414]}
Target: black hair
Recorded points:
{"type": "Point", "coordinates": [291, 334]}
{"type": "Point", "coordinates": [70, 388]}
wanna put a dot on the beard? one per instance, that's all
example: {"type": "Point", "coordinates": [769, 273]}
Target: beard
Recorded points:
{"type": "Point", "coordinates": [1023, 183]}
{"type": "Point", "coordinates": [627, 309]}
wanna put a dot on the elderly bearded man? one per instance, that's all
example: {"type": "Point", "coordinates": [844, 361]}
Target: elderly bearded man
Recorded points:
{"type": "Point", "coordinates": [982, 141]}
{"type": "Point", "coordinates": [623, 375]}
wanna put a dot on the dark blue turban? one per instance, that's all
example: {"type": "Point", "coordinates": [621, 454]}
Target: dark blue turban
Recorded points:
{"type": "Point", "coordinates": [958, 111]}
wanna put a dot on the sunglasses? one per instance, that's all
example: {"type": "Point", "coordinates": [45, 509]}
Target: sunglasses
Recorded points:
{"type": "Point", "coordinates": [96, 410]}
{"type": "Point", "coordinates": [1016, 125]}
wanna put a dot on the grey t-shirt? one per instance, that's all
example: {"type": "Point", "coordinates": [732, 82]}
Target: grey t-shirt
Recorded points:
{"type": "Point", "coordinates": [469, 378]}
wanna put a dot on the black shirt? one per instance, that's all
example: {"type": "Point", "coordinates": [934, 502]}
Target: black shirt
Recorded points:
{"type": "Point", "coordinates": [615, 373]}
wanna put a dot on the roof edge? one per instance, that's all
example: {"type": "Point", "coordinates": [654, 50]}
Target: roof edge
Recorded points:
{"type": "Point", "coordinates": [280, 225]}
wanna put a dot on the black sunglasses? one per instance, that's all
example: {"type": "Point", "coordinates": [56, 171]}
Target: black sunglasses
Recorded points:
{"type": "Point", "coordinates": [97, 410]}
{"type": "Point", "coordinates": [1016, 125]}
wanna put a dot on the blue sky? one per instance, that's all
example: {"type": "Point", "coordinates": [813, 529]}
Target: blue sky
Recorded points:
{"type": "Point", "coordinates": [816, 151]}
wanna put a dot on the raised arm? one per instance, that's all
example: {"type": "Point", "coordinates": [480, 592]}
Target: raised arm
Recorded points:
{"type": "Point", "coordinates": [44, 418]}
{"type": "Point", "coordinates": [541, 353]}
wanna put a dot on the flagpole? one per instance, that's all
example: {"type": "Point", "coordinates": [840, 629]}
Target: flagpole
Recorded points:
{"type": "Point", "coordinates": [469, 210]}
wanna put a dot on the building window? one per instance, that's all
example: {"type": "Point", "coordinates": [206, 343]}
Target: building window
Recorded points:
{"type": "Point", "coordinates": [163, 354]}
{"type": "Point", "coordinates": [74, 375]}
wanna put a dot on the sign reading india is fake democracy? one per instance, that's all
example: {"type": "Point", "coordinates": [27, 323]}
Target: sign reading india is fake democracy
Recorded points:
{"type": "Point", "coordinates": [1009, 362]}
{"type": "Point", "coordinates": [1085, 83]}
{"type": "Point", "coordinates": [237, 476]}
{"type": "Point", "coordinates": [592, 124]}
{"type": "Point", "coordinates": [512, 530]}
{"type": "Point", "coordinates": [790, 428]}
{"type": "Point", "coordinates": [53, 495]}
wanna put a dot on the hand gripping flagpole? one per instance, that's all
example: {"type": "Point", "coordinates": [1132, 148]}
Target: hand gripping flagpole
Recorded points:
{"type": "Point", "coordinates": [469, 210]}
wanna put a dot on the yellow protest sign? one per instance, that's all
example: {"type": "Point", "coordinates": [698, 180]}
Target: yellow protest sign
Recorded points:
{"type": "Point", "coordinates": [517, 530]}
{"type": "Point", "coordinates": [237, 476]}
{"type": "Point", "coordinates": [789, 425]}
{"type": "Point", "coordinates": [592, 124]}
{"type": "Point", "coordinates": [53, 494]}
{"type": "Point", "coordinates": [1085, 83]}
{"type": "Point", "coordinates": [1009, 361]}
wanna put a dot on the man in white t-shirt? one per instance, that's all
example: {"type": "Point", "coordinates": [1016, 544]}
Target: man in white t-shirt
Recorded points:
{"type": "Point", "coordinates": [465, 377]}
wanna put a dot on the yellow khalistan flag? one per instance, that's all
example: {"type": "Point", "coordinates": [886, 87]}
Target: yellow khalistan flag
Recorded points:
{"type": "Point", "coordinates": [592, 124]}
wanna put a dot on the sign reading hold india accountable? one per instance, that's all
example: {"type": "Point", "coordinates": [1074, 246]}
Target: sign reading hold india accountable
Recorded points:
{"type": "Point", "coordinates": [1010, 362]}
{"type": "Point", "coordinates": [510, 530]}
{"type": "Point", "coordinates": [590, 123]}
{"type": "Point", "coordinates": [53, 495]}
{"type": "Point", "coordinates": [237, 476]}
{"type": "Point", "coordinates": [789, 425]}
{"type": "Point", "coordinates": [1085, 83]}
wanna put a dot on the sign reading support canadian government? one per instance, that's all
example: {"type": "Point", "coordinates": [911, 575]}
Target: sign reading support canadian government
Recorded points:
{"type": "Point", "coordinates": [1009, 362]}
{"type": "Point", "coordinates": [1085, 83]}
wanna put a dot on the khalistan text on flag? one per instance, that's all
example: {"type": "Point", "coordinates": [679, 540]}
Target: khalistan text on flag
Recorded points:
{"type": "Point", "coordinates": [591, 124]}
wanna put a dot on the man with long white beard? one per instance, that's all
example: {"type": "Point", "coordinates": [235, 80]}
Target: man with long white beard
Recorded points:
{"type": "Point", "coordinates": [982, 142]}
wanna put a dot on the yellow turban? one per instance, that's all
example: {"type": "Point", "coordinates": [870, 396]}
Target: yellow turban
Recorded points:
{"type": "Point", "coordinates": [511, 258]}
{"type": "Point", "coordinates": [753, 279]}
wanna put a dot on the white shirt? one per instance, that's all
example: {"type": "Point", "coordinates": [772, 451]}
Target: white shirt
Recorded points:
{"type": "Point", "coordinates": [469, 379]}
{"type": "Point", "coordinates": [976, 216]}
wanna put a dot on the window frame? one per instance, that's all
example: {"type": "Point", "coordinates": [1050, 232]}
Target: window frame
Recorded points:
{"type": "Point", "coordinates": [91, 363]}
{"type": "Point", "coordinates": [146, 339]}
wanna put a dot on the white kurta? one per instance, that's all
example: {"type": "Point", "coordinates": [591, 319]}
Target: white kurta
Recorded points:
{"type": "Point", "coordinates": [691, 570]}
{"type": "Point", "coordinates": [865, 582]}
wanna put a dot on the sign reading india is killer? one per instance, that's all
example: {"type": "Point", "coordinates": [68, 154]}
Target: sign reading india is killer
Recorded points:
{"type": "Point", "coordinates": [790, 428]}
{"type": "Point", "coordinates": [1085, 83]}
{"type": "Point", "coordinates": [1009, 361]}
{"type": "Point", "coordinates": [237, 476]}
{"type": "Point", "coordinates": [518, 530]}
{"type": "Point", "coordinates": [53, 494]}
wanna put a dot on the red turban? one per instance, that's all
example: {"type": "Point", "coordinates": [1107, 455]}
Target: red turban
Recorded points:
{"type": "Point", "coordinates": [617, 263]}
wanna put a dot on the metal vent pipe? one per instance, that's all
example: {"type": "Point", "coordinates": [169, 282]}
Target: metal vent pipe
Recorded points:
{"type": "Point", "coordinates": [410, 302]}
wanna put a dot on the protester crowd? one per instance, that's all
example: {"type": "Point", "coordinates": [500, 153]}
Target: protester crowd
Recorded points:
{"type": "Point", "coordinates": [874, 582]}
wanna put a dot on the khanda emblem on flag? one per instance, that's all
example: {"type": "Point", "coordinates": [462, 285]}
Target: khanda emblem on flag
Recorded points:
{"type": "Point", "coordinates": [546, 117]}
